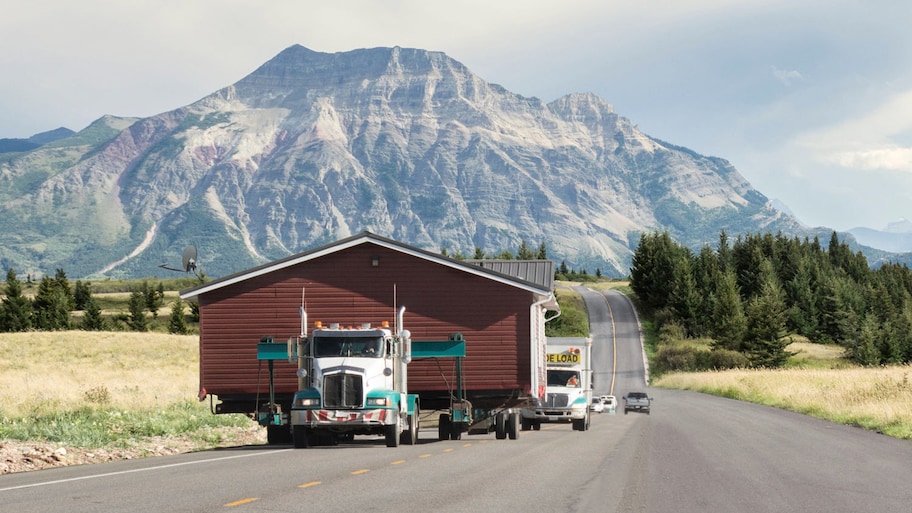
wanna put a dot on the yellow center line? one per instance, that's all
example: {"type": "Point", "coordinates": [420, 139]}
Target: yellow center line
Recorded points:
{"type": "Point", "coordinates": [450, 449]}
{"type": "Point", "coordinates": [362, 471]}
{"type": "Point", "coordinates": [398, 462]}
{"type": "Point", "coordinates": [614, 346]}
{"type": "Point", "coordinates": [424, 456]}
{"type": "Point", "coordinates": [467, 444]}
{"type": "Point", "coordinates": [242, 501]}
{"type": "Point", "coordinates": [308, 485]}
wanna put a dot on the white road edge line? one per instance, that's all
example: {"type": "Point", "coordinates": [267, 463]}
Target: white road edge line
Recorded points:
{"type": "Point", "coordinates": [146, 469]}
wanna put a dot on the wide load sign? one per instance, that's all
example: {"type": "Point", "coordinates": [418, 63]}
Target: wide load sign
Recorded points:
{"type": "Point", "coordinates": [571, 357]}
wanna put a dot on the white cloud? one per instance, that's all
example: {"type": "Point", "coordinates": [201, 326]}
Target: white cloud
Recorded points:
{"type": "Point", "coordinates": [892, 159]}
{"type": "Point", "coordinates": [787, 77]}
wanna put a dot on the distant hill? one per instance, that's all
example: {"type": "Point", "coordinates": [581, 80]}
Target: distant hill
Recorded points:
{"type": "Point", "coordinates": [895, 238]}
{"type": "Point", "coordinates": [35, 141]}
{"type": "Point", "coordinates": [312, 147]}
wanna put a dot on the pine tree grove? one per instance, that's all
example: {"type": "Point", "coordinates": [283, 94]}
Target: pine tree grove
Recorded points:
{"type": "Point", "coordinates": [749, 294]}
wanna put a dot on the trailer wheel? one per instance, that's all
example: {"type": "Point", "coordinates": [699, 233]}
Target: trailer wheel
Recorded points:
{"type": "Point", "coordinates": [300, 436]}
{"type": "Point", "coordinates": [456, 430]}
{"type": "Point", "coordinates": [536, 425]}
{"type": "Point", "coordinates": [278, 435]}
{"type": "Point", "coordinates": [410, 436]}
{"type": "Point", "coordinates": [513, 426]}
{"type": "Point", "coordinates": [500, 426]}
{"type": "Point", "coordinates": [443, 427]}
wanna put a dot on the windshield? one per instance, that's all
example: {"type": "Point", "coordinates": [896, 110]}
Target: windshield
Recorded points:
{"type": "Point", "coordinates": [370, 347]}
{"type": "Point", "coordinates": [563, 378]}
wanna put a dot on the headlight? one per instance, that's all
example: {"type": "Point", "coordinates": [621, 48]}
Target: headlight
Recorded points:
{"type": "Point", "coordinates": [378, 401]}
{"type": "Point", "coordinates": [307, 401]}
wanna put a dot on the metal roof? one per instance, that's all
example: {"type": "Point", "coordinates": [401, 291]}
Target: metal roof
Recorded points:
{"type": "Point", "coordinates": [526, 276]}
{"type": "Point", "coordinates": [540, 272]}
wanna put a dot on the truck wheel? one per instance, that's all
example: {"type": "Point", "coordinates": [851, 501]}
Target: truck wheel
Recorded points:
{"type": "Point", "coordinates": [579, 424]}
{"type": "Point", "coordinates": [444, 425]}
{"type": "Point", "coordinates": [410, 436]}
{"type": "Point", "coordinates": [392, 433]}
{"type": "Point", "coordinates": [300, 437]}
{"type": "Point", "coordinates": [536, 425]}
{"type": "Point", "coordinates": [526, 424]}
{"type": "Point", "coordinates": [513, 426]}
{"type": "Point", "coordinates": [500, 426]}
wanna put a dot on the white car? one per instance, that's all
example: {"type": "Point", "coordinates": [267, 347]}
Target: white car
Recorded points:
{"type": "Point", "coordinates": [596, 405]}
{"type": "Point", "coordinates": [609, 403]}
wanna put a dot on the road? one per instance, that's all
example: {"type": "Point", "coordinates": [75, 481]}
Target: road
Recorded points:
{"type": "Point", "coordinates": [694, 453]}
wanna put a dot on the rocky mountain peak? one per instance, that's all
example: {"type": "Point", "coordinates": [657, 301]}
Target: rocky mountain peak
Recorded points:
{"type": "Point", "coordinates": [406, 143]}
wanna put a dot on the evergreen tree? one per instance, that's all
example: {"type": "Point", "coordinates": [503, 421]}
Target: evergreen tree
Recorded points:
{"type": "Point", "coordinates": [479, 254]}
{"type": "Point", "coordinates": [153, 298]}
{"type": "Point", "coordinates": [524, 252]}
{"type": "Point", "coordinates": [177, 324]}
{"type": "Point", "coordinates": [16, 309]}
{"type": "Point", "coordinates": [82, 294]}
{"type": "Point", "coordinates": [729, 321]}
{"type": "Point", "coordinates": [505, 255]}
{"type": "Point", "coordinates": [137, 307]}
{"type": "Point", "coordinates": [542, 251]}
{"type": "Point", "coordinates": [865, 351]}
{"type": "Point", "coordinates": [93, 321]}
{"type": "Point", "coordinates": [684, 299]}
{"type": "Point", "coordinates": [63, 284]}
{"type": "Point", "coordinates": [766, 317]}
{"type": "Point", "coordinates": [563, 267]}
{"type": "Point", "coordinates": [51, 306]}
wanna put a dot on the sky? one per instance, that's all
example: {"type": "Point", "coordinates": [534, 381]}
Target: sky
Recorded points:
{"type": "Point", "coordinates": [810, 100]}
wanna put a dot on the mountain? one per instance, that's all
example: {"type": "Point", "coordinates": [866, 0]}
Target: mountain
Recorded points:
{"type": "Point", "coordinates": [896, 237]}
{"type": "Point", "coordinates": [35, 141]}
{"type": "Point", "coordinates": [406, 143]}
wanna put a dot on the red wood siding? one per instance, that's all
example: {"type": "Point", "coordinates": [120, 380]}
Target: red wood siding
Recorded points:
{"type": "Point", "coordinates": [343, 287]}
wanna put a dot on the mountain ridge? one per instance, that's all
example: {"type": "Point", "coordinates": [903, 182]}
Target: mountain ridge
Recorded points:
{"type": "Point", "coordinates": [311, 147]}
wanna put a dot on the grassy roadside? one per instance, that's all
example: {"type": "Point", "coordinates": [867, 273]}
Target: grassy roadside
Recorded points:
{"type": "Point", "coordinates": [817, 380]}
{"type": "Point", "coordinates": [105, 389]}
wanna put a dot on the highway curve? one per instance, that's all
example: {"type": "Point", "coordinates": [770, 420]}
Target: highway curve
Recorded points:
{"type": "Point", "coordinates": [699, 453]}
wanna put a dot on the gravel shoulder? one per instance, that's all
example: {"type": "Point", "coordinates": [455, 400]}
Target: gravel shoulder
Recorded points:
{"type": "Point", "coordinates": [19, 456]}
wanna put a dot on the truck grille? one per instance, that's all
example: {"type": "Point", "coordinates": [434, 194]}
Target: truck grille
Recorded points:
{"type": "Point", "coordinates": [343, 391]}
{"type": "Point", "coordinates": [556, 401]}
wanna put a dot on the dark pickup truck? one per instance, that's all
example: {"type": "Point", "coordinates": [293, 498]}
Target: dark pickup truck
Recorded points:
{"type": "Point", "coordinates": [637, 401]}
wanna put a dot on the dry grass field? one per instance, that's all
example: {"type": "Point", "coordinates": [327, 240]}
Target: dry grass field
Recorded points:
{"type": "Point", "coordinates": [45, 372]}
{"type": "Point", "coordinates": [820, 383]}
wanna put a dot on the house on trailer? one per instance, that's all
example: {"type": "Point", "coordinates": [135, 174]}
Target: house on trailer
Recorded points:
{"type": "Point", "coordinates": [499, 307]}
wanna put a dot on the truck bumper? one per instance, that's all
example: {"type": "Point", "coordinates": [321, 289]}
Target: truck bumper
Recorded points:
{"type": "Point", "coordinates": [553, 415]}
{"type": "Point", "coordinates": [335, 418]}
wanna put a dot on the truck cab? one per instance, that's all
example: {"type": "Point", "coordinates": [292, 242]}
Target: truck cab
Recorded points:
{"type": "Point", "coordinates": [568, 390]}
{"type": "Point", "coordinates": [353, 382]}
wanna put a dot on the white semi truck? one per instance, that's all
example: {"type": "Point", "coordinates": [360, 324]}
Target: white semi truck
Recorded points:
{"type": "Point", "coordinates": [569, 387]}
{"type": "Point", "coordinates": [353, 381]}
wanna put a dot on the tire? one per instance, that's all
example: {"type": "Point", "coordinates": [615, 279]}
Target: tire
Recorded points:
{"type": "Point", "coordinates": [513, 426]}
{"type": "Point", "coordinates": [410, 436]}
{"type": "Point", "coordinates": [526, 424]}
{"type": "Point", "coordinates": [536, 425]}
{"type": "Point", "coordinates": [300, 437]}
{"type": "Point", "coordinates": [392, 432]}
{"type": "Point", "coordinates": [500, 426]}
{"type": "Point", "coordinates": [456, 431]}
{"type": "Point", "coordinates": [278, 435]}
{"type": "Point", "coordinates": [444, 427]}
